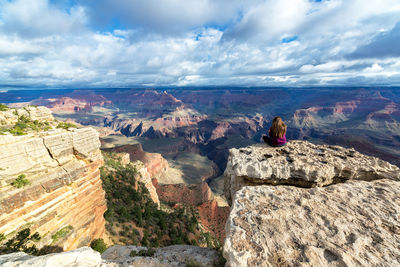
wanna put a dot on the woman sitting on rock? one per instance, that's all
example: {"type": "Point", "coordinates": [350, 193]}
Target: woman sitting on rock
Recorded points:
{"type": "Point", "coordinates": [277, 133]}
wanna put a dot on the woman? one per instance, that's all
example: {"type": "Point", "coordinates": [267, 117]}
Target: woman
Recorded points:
{"type": "Point", "coordinates": [277, 133]}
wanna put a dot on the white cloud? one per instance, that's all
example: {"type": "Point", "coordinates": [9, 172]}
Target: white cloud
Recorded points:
{"type": "Point", "coordinates": [32, 18]}
{"type": "Point", "coordinates": [197, 42]}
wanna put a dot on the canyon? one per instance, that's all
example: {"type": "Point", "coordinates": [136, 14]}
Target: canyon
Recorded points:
{"type": "Point", "coordinates": [314, 205]}
{"type": "Point", "coordinates": [202, 148]}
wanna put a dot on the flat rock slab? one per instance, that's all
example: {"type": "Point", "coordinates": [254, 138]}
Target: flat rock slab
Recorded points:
{"type": "Point", "coordinates": [303, 164]}
{"type": "Point", "coordinates": [81, 257]}
{"type": "Point", "coordinates": [177, 255]}
{"type": "Point", "coordinates": [356, 223]}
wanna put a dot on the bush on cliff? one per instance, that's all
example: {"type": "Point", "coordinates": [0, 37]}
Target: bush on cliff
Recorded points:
{"type": "Point", "coordinates": [3, 107]}
{"type": "Point", "coordinates": [63, 232]}
{"type": "Point", "coordinates": [24, 124]}
{"type": "Point", "coordinates": [21, 181]}
{"type": "Point", "coordinates": [24, 241]}
{"type": "Point", "coordinates": [98, 245]}
{"type": "Point", "coordinates": [66, 125]}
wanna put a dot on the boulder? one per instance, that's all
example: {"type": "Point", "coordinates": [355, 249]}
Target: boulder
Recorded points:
{"type": "Point", "coordinates": [347, 224]}
{"type": "Point", "coordinates": [303, 164]}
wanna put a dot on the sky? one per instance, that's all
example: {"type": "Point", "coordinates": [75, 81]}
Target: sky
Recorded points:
{"type": "Point", "coordinates": [125, 43]}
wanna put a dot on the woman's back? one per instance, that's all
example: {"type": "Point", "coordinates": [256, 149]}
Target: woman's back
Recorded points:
{"type": "Point", "coordinates": [277, 133]}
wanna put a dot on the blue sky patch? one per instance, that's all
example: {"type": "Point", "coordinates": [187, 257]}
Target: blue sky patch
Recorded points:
{"type": "Point", "coordinates": [289, 39]}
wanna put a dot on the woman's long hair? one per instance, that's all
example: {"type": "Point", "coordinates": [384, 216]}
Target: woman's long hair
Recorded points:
{"type": "Point", "coordinates": [278, 128]}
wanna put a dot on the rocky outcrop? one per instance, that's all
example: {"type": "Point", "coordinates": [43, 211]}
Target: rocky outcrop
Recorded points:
{"type": "Point", "coordinates": [347, 224]}
{"type": "Point", "coordinates": [11, 116]}
{"type": "Point", "coordinates": [145, 178]}
{"type": "Point", "coordinates": [178, 255]}
{"type": "Point", "coordinates": [302, 164]}
{"type": "Point", "coordinates": [311, 205]}
{"type": "Point", "coordinates": [64, 191]}
{"type": "Point", "coordinates": [80, 257]}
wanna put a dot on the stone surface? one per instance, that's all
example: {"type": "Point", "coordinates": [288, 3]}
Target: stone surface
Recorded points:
{"type": "Point", "coordinates": [302, 164]}
{"type": "Point", "coordinates": [356, 223]}
{"type": "Point", "coordinates": [82, 257]}
{"type": "Point", "coordinates": [34, 113]}
{"type": "Point", "coordinates": [65, 187]}
{"type": "Point", "coordinates": [177, 255]}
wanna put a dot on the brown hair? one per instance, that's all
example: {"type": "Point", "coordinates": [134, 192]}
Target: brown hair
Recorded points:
{"type": "Point", "coordinates": [278, 128]}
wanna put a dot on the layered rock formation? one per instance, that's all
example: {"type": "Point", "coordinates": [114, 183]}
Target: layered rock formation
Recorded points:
{"type": "Point", "coordinates": [64, 193]}
{"type": "Point", "coordinates": [311, 205]}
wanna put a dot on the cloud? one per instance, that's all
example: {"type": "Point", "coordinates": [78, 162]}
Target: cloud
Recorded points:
{"type": "Point", "coordinates": [386, 44]}
{"type": "Point", "coordinates": [125, 43]}
{"type": "Point", "coordinates": [165, 17]}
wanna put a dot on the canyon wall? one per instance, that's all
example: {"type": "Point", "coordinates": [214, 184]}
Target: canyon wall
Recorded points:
{"type": "Point", "coordinates": [63, 199]}
{"type": "Point", "coordinates": [311, 205]}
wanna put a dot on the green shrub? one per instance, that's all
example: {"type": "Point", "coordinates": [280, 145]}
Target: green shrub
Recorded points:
{"type": "Point", "coordinates": [63, 232]}
{"type": "Point", "coordinates": [2, 237]}
{"type": "Point", "coordinates": [192, 263]}
{"type": "Point", "coordinates": [98, 245]}
{"type": "Point", "coordinates": [66, 125]}
{"type": "Point", "coordinates": [143, 253]}
{"type": "Point", "coordinates": [21, 181]}
{"type": "Point", "coordinates": [3, 107]}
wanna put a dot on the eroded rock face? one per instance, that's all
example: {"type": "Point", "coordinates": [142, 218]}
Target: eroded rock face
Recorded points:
{"type": "Point", "coordinates": [177, 255]}
{"type": "Point", "coordinates": [348, 224]}
{"type": "Point", "coordinates": [65, 189]}
{"type": "Point", "coordinates": [302, 164]}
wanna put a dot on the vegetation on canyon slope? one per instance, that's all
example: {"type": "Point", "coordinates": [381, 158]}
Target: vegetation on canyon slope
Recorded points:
{"type": "Point", "coordinates": [24, 125]}
{"type": "Point", "coordinates": [134, 219]}
{"type": "Point", "coordinates": [25, 241]}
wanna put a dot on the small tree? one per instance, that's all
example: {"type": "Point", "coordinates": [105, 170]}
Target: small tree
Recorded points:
{"type": "Point", "coordinates": [98, 245]}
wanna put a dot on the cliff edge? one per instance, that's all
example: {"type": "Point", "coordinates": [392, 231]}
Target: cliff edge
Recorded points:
{"type": "Point", "coordinates": [311, 205]}
{"type": "Point", "coordinates": [50, 179]}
